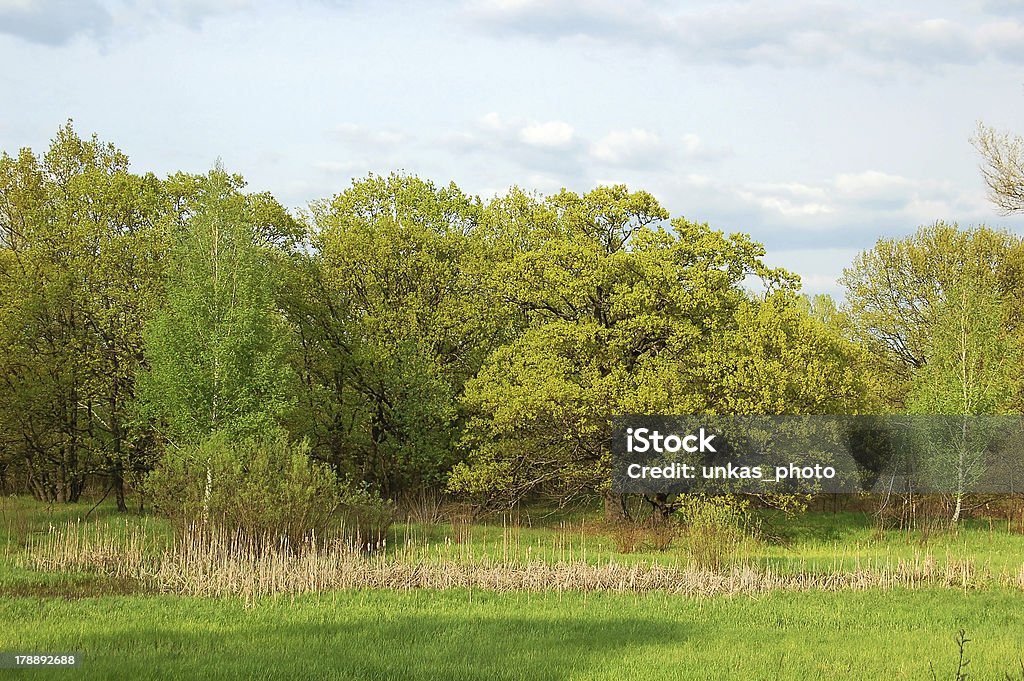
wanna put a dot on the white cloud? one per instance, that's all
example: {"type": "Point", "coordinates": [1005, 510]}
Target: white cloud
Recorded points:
{"type": "Point", "coordinates": [791, 189]}
{"type": "Point", "coordinates": [1004, 38]}
{"type": "Point", "coordinates": [869, 181]}
{"type": "Point", "coordinates": [547, 135]}
{"type": "Point", "coordinates": [803, 32]}
{"type": "Point", "coordinates": [191, 12]}
{"type": "Point", "coordinates": [692, 144]}
{"type": "Point", "coordinates": [641, 148]}
{"type": "Point", "coordinates": [335, 167]}
{"type": "Point", "coordinates": [544, 183]}
{"type": "Point", "coordinates": [58, 22]}
{"type": "Point", "coordinates": [820, 283]}
{"type": "Point", "coordinates": [848, 208]}
{"type": "Point", "coordinates": [558, 17]}
{"type": "Point", "coordinates": [819, 268]}
{"type": "Point", "coordinates": [785, 206]}
{"type": "Point", "coordinates": [622, 147]}
{"type": "Point", "coordinates": [362, 136]}
{"type": "Point", "coordinates": [533, 142]}
{"type": "Point", "coordinates": [870, 196]}
{"type": "Point", "coordinates": [1003, 6]}
{"type": "Point", "coordinates": [875, 186]}
{"type": "Point", "coordinates": [53, 22]}
{"type": "Point", "coordinates": [697, 180]}
{"type": "Point", "coordinates": [492, 121]}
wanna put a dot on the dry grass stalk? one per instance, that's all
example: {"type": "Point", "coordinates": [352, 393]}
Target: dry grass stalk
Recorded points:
{"type": "Point", "coordinates": [204, 564]}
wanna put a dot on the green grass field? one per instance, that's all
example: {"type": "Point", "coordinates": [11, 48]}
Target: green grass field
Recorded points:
{"type": "Point", "coordinates": [484, 635]}
{"type": "Point", "coordinates": [123, 631]}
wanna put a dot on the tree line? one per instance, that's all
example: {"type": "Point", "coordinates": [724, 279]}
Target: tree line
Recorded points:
{"type": "Point", "coordinates": [185, 339]}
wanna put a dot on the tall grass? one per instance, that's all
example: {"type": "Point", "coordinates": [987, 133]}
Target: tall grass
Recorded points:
{"type": "Point", "coordinates": [204, 563]}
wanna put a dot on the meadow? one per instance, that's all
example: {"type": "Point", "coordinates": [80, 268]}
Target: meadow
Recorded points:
{"type": "Point", "coordinates": [821, 595]}
{"type": "Point", "coordinates": [275, 385]}
{"type": "Point", "coordinates": [463, 634]}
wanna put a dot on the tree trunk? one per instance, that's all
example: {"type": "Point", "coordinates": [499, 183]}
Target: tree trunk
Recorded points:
{"type": "Point", "coordinates": [614, 506]}
{"type": "Point", "coordinates": [961, 472]}
{"type": "Point", "coordinates": [662, 509]}
{"type": "Point", "coordinates": [119, 491]}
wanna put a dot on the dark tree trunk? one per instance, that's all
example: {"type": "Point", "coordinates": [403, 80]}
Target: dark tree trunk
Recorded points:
{"type": "Point", "coordinates": [122, 506]}
{"type": "Point", "coordinates": [662, 508]}
{"type": "Point", "coordinates": [614, 506]}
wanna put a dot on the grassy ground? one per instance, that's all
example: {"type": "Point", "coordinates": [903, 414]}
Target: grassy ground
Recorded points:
{"type": "Point", "coordinates": [805, 543]}
{"type": "Point", "coordinates": [818, 540]}
{"type": "Point", "coordinates": [486, 635]}
{"type": "Point", "coordinates": [813, 541]}
{"type": "Point", "coordinates": [468, 634]}
{"type": "Point", "coordinates": [24, 519]}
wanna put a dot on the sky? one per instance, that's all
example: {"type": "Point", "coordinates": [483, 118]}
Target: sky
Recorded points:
{"type": "Point", "coordinates": [815, 127]}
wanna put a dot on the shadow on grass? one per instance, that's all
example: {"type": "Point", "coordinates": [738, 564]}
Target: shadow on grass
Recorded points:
{"type": "Point", "coordinates": [391, 637]}
{"type": "Point", "coordinates": [18, 583]}
{"type": "Point", "coordinates": [816, 527]}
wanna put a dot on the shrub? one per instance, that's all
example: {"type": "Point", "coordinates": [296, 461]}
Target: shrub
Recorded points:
{"type": "Point", "coordinates": [367, 516]}
{"type": "Point", "coordinates": [634, 537]}
{"type": "Point", "coordinates": [263, 487]}
{"type": "Point", "coordinates": [715, 529]}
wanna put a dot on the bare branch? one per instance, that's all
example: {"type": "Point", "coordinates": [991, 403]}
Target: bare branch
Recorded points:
{"type": "Point", "coordinates": [1002, 167]}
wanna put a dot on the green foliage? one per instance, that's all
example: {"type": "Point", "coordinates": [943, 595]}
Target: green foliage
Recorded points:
{"type": "Point", "coordinates": [898, 292]}
{"type": "Point", "coordinates": [716, 531]}
{"type": "Point", "coordinates": [699, 511]}
{"type": "Point", "coordinates": [782, 358]}
{"type": "Point", "coordinates": [418, 337]}
{"type": "Point", "coordinates": [392, 321]}
{"type": "Point", "coordinates": [623, 315]}
{"type": "Point", "coordinates": [79, 267]}
{"type": "Point", "coordinates": [264, 487]}
{"type": "Point", "coordinates": [972, 368]}
{"type": "Point", "coordinates": [367, 517]}
{"type": "Point", "coordinates": [972, 358]}
{"type": "Point", "coordinates": [216, 346]}
{"type": "Point", "coordinates": [942, 310]}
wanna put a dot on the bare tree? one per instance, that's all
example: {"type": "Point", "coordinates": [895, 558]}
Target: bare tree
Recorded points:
{"type": "Point", "coordinates": [1002, 167]}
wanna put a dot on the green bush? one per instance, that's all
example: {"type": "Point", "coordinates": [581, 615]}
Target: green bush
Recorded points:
{"type": "Point", "coordinates": [367, 516]}
{"type": "Point", "coordinates": [264, 488]}
{"type": "Point", "coordinates": [716, 530]}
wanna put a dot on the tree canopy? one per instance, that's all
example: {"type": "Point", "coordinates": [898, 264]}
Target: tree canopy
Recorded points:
{"type": "Point", "coordinates": [403, 336]}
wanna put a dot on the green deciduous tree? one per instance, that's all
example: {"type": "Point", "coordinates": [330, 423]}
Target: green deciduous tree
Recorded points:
{"type": "Point", "coordinates": [392, 321]}
{"type": "Point", "coordinates": [627, 314]}
{"type": "Point", "coordinates": [783, 356]}
{"type": "Point", "coordinates": [218, 385]}
{"type": "Point", "coordinates": [79, 263]}
{"type": "Point", "coordinates": [943, 310]}
{"type": "Point", "coordinates": [895, 289]}
{"type": "Point", "coordinates": [972, 368]}
{"type": "Point", "coordinates": [216, 347]}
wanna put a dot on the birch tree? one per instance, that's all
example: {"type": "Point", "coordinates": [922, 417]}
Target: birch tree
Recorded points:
{"type": "Point", "coordinates": [971, 369]}
{"type": "Point", "coordinates": [216, 347]}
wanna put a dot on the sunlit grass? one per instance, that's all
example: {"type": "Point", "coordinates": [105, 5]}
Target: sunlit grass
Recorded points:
{"type": "Point", "coordinates": [572, 614]}
{"type": "Point", "coordinates": [462, 634]}
{"type": "Point", "coordinates": [114, 554]}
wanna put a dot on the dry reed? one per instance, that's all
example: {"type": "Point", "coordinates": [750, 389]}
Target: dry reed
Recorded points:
{"type": "Point", "coordinates": [203, 563]}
